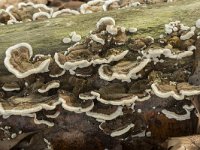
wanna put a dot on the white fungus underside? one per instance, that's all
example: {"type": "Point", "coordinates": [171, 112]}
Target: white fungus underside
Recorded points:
{"type": "Point", "coordinates": [123, 131]}
{"type": "Point", "coordinates": [83, 97]}
{"type": "Point", "coordinates": [176, 96]}
{"type": "Point", "coordinates": [173, 115]}
{"type": "Point", "coordinates": [57, 113]}
{"type": "Point", "coordinates": [49, 124]}
{"type": "Point", "coordinates": [122, 102]}
{"type": "Point", "coordinates": [10, 89]}
{"type": "Point", "coordinates": [86, 63]}
{"type": "Point", "coordinates": [101, 116]}
{"type": "Point", "coordinates": [49, 87]}
{"type": "Point", "coordinates": [75, 109]}
{"type": "Point", "coordinates": [57, 75]}
{"type": "Point", "coordinates": [16, 111]}
{"type": "Point", "coordinates": [124, 77]}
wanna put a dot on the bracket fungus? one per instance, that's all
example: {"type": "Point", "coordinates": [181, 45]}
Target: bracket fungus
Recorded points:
{"type": "Point", "coordinates": [124, 70]}
{"type": "Point", "coordinates": [48, 86]}
{"type": "Point", "coordinates": [18, 61]}
{"type": "Point", "coordinates": [27, 105]}
{"type": "Point", "coordinates": [103, 76]}
{"type": "Point", "coordinates": [114, 94]}
{"type": "Point", "coordinates": [11, 86]}
{"type": "Point", "coordinates": [71, 103]}
{"type": "Point", "coordinates": [105, 112]}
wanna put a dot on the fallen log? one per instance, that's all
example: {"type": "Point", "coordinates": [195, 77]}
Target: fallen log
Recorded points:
{"type": "Point", "coordinates": [149, 121]}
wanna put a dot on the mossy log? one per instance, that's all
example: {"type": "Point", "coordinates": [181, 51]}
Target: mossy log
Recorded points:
{"type": "Point", "coordinates": [78, 131]}
{"type": "Point", "coordinates": [46, 36]}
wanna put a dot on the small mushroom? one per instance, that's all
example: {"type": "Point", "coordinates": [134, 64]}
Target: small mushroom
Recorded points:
{"type": "Point", "coordinates": [103, 22]}
{"type": "Point", "coordinates": [118, 126]}
{"type": "Point", "coordinates": [111, 29]}
{"type": "Point", "coordinates": [120, 38]}
{"type": "Point", "coordinates": [111, 4]}
{"type": "Point", "coordinates": [48, 86]}
{"type": "Point", "coordinates": [37, 120]}
{"type": "Point", "coordinates": [123, 70]}
{"type": "Point", "coordinates": [12, 86]}
{"type": "Point", "coordinates": [71, 103]}
{"type": "Point", "coordinates": [18, 62]}
{"type": "Point", "coordinates": [75, 37]}
{"type": "Point", "coordinates": [86, 96]}
{"type": "Point", "coordinates": [105, 112]}
{"type": "Point", "coordinates": [54, 70]}
{"type": "Point", "coordinates": [114, 94]}
{"type": "Point", "coordinates": [92, 6]}
{"type": "Point", "coordinates": [82, 58]}
{"type": "Point", "coordinates": [97, 39]}
{"type": "Point", "coordinates": [5, 17]}
{"type": "Point", "coordinates": [74, 59]}
{"type": "Point", "coordinates": [65, 12]}
{"type": "Point", "coordinates": [176, 90]}
{"type": "Point", "coordinates": [182, 116]}
{"type": "Point", "coordinates": [44, 8]}
{"type": "Point", "coordinates": [188, 34]}
{"type": "Point", "coordinates": [84, 72]}
{"type": "Point", "coordinates": [41, 16]}
{"type": "Point", "coordinates": [66, 40]}
{"type": "Point", "coordinates": [18, 105]}
{"type": "Point", "coordinates": [154, 54]}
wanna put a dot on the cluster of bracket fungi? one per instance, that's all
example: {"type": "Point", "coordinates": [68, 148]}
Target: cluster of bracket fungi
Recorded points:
{"type": "Point", "coordinates": [106, 76]}
{"type": "Point", "coordinates": [26, 12]}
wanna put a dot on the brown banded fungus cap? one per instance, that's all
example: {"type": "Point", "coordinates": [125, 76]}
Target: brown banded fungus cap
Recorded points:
{"type": "Point", "coordinates": [123, 70]}
{"type": "Point", "coordinates": [118, 126]}
{"type": "Point", "coordinates": [49, 85]}
{"type": "Point", "coordinates": [142, 89]}
{"type": "Point", "coordinates": [83, 58]}
{"type": "Point", "coordinates": [176, 90]}
{"type": "Point", "coordinates": [120, 38]}
{"type": "Point", "coordinates": [105, 112]}
{"type": "Point", "coordinates": [114, 94]}
{"type": "Point", "coordinates": [17, 105]}
{"type": "Point", "coordinates": [11, 86]}
{"type": "Point", "coordinates": [84, 72]}
{"type": "Point", "coordinates": [165, 86]}
{"type": "Point", "coordinates": [54, 70]}
{"type": "Point", "coordinates": [178, 111]}
{"type": "Point", "coordinates": [18, 61]}
{"type": "Point", "coordinates": [71, 103]}
{"type": "Point", "coordinates": [86, 96]}
{"type": "Point", "coordinates": [140, 44]}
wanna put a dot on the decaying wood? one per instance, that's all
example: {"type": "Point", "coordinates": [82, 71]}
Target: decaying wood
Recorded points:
{"type": "Point", "coordinates": [78, 131]}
